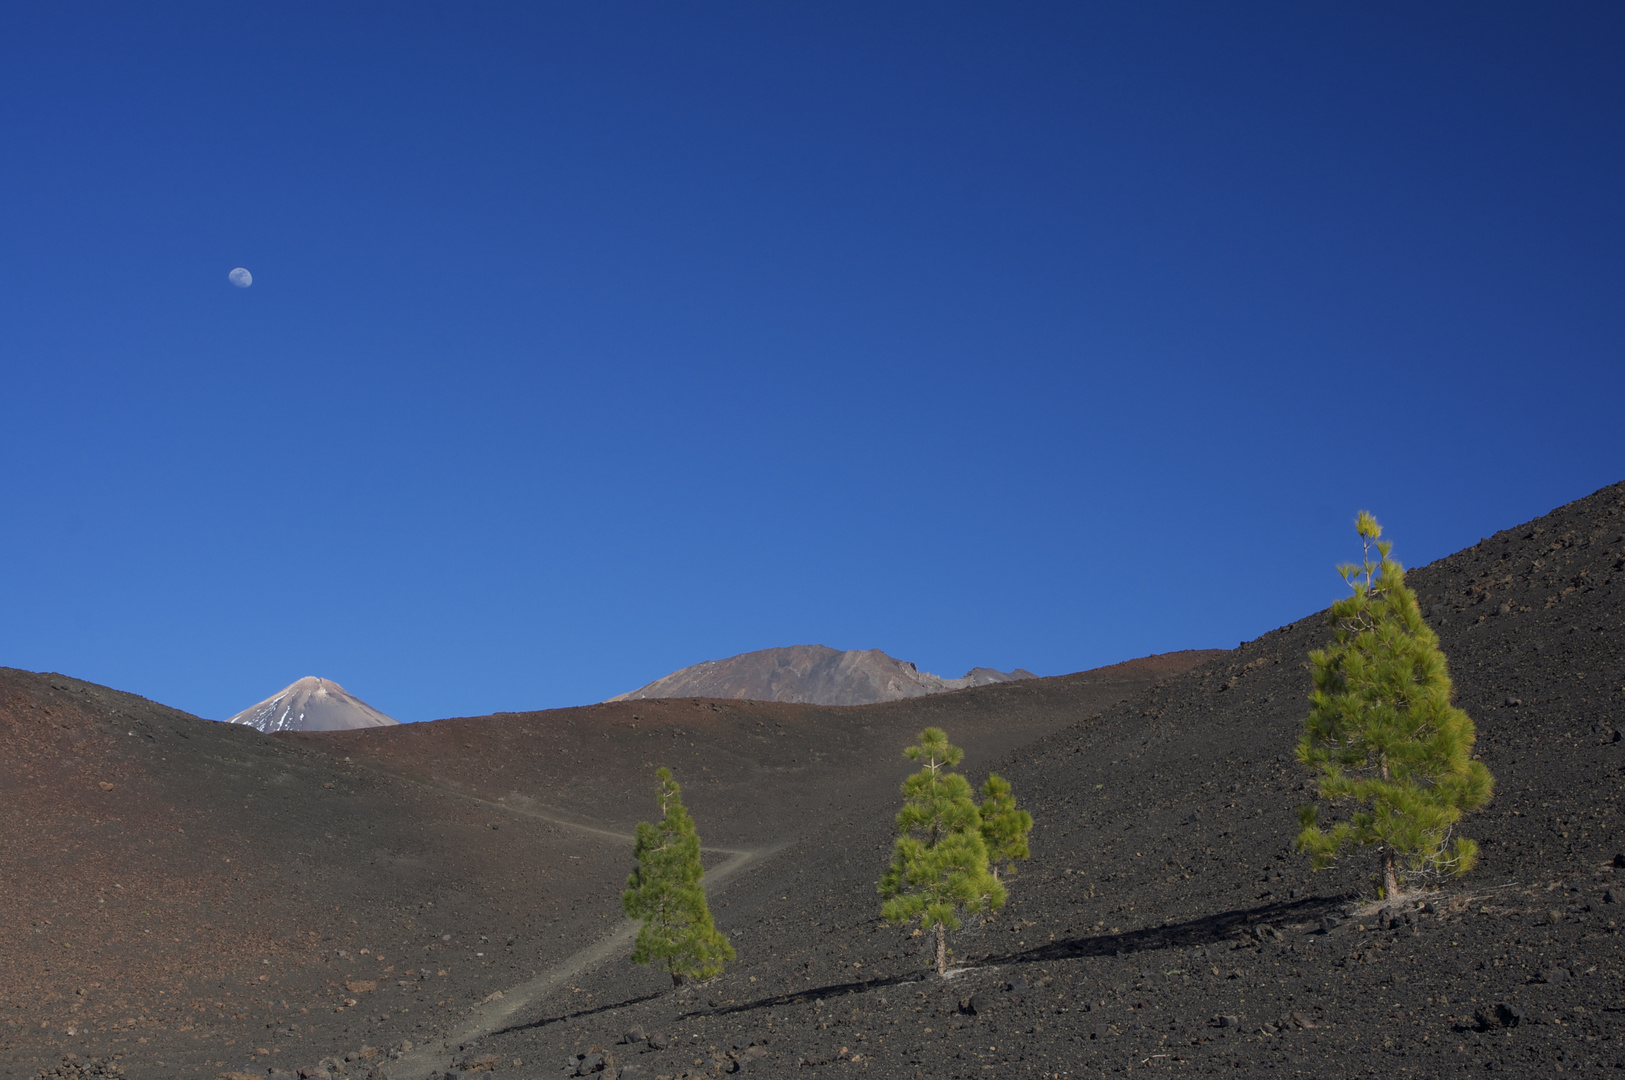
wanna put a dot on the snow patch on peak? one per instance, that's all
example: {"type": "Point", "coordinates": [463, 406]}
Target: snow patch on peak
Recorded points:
{"type": "Point", "coordinates": [312, 704]}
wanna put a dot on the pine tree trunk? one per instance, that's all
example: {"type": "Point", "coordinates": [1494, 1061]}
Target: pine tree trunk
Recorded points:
{"type": "Point", "coordinates": [942, 949]}
{"type": "Point", "coordinates": [1390, 877]}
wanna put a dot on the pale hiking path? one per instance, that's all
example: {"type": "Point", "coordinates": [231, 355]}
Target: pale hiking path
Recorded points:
{"type": "Point", "coordinates": [498, 1011]}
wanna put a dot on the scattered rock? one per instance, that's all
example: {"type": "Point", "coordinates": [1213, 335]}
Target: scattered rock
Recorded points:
{"type": "Point", "coordinates": [634, 1034]}
{"type": "Point", "coordinates": [1555, 974]}
{"type": "Point", "coordinates": [1619, 862]}
{"type": "Point", "coordinates": [589, 1064]}
{"type": "Point", "coordinates": [73, 1067]}
{"type": "Point", "coordinates": [1227, 1021]}
{"type": "Point", "coordinates": [1608, 897]}
{"type": "Point", "coordinates": [977, 1005]}
{"type": "Point", "coordinates": [1512, 702]}
{"type": "Point", "coordinates": [1393, 918]}
{"type": "Point", "coordinates": [656, 1042]}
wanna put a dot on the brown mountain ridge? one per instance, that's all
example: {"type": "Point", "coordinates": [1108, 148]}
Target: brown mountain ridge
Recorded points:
{"type": "Point", "coordinates": [813, 675]}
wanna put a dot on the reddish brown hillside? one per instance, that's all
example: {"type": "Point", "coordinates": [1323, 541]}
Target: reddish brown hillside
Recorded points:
{"type": "Point", "coordinates": [187, 893]}
{"type": "Point", "coordinates": [753, 771]}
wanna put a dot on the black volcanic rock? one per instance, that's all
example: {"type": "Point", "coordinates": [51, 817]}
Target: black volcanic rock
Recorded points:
{"type": "Point", "coordinates": [1164, 843]}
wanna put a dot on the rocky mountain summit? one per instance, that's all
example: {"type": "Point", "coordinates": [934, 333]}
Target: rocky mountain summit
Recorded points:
{"type": "Point", "coordinates": [813, 675]}
{"type": "Point", "coordinates": [312, 704]}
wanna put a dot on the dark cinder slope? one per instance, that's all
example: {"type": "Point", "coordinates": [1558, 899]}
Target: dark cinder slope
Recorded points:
{"type": "Point", "coordinates": [188, 893]}
{"type": "Point", "coordinates": [185, 892]}
{"type": "Point", "coordinates": [1163, 892]}
{"type": "Point", "coordinates": [813, 675]}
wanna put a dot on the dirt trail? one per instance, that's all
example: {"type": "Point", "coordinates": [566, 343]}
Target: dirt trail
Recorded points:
{"type": "Point", "coordinates": [496, 1012]}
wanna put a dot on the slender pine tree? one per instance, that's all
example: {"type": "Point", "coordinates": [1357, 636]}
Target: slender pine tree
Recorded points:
{"type": "Point", "coordinates": [939, 868]}
{"type": "Point", "coordinates": [665, 893]}
{"type": "Point", "coordinates": [1004, 826]}
{"type": "Point", "coordinates": [1382, 732]}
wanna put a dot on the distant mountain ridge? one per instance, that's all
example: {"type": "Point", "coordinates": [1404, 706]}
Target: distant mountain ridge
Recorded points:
{"type": "Point", "coordinates": [312, 704]}
{"type": "Point", "coordinates": [813, 675]}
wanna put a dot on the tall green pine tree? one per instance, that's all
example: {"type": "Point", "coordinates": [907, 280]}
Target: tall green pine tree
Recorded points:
{"type": "Point", "coordinates": [665, 893]}
{"type": "Point", "coordinates": [1382, 732]}
{"type": "Point", "coordinates": [939, 868]}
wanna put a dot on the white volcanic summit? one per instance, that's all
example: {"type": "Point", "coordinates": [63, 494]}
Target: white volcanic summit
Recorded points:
{"type": "Point", "coordinates": [813, 675]}
{"type": "Point", "coordinates": [312, 704]}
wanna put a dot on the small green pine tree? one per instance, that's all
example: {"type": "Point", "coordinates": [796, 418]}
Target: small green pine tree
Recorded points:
{"type": "Point", "coordinates": [665, 893]}
{"type": "Point", "coordinates": [939, 866]}
{"type": "Point", "coordinates": [1382, 732]}
{"type": "Point", "coordinates": [1004, 826]}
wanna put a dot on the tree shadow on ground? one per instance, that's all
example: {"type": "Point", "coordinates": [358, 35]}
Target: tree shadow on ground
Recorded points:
{"type": "Point", "coordinates": [1207, 930]}
{"type": "Point", "coordinates": [580, 1013]}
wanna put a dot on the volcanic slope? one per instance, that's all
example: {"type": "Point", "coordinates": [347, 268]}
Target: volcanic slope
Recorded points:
{"type": "Point", "coordinates": [312, 704]}
{"type": "Point", "coordinates": [815, 675]}
{"type": "Point", "coordinates": [1164, 920]}
{"type": "Point", "coordinates": [188, 893]}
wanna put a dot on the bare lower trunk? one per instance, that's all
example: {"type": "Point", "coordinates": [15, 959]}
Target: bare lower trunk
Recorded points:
{"type": "Point", "coordinates": [942, 949]}
{"type": "Point", "coordinates": [1390, 873]}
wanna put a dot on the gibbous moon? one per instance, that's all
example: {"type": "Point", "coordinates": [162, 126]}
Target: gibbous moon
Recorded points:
{"type": "Point", "coordinates": [240, 278]}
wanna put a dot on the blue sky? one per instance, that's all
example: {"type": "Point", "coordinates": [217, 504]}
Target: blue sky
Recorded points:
{"type": "Point", "coordinates": [590, 341]}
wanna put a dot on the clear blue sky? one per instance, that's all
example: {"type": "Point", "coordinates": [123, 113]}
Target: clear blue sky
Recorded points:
{"type": "Point", "coordinates": [589, 341]}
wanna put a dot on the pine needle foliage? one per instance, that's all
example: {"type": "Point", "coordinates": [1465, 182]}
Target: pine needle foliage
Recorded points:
{"type": "Point", "coordinates": [1004, 826]}
{"type": "Point", "coordinates": [664, 892]}
{"type": "Point", "coordinates": [1383, 735]}
{"type": "Point", "coordinates": [939, 868]}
